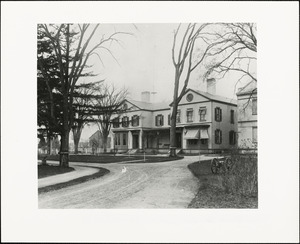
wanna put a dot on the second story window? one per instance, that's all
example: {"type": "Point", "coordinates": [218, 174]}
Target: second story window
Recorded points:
{"type": "Point", "coordinates": [135, 120]}
{"type": "Point", "coordinates": [159, 120]}
{"type": "Point", "coordinates": [218, 136]}
{"type": "Point", "coordinates": [202, 113]}
{"type": "Point", "coordinates": [116, 123]}
{"type": "Point", "coordinates": [254, 106]}
{"type": "Point", "coordinates": [218, 114]}
{"type": "Point", "coordinates": [189, 115]}
{"type": "Point", "coordinates": [178, 116]}
{"type": "Point", "coordinates": [232, 116]}
{"type": "Point", "coordinates": [169, 119]}
{"type": "Point", "coordinates": [125, 121]}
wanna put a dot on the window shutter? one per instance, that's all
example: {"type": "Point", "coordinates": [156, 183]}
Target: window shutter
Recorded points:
{"type": "Point", "coordinates": [216, 111]}
{"type": "Point", "coordinates": [162, 120]}
{"type": "Point", "coordinates": [155, 120]}
{"type": "Point", "coordinates": [132, 121]}
{"type": "Point", "coordinates": [138, 120]}
{"type": "Point", "coordinates": [216, 136]}
{"type": "Point", "coordinates": [220, 114]}
{"type": "Point", "coordinates": [220, 137]}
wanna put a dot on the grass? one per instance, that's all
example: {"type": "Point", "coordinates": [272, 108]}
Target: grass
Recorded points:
{"type": "Point", "coordinates": [111, 159]}
{"type": "Point", "coordinates": [100, 173]}
{"type": "Point", "coordinates": [49, 170]}
{"type": "Point", "coordinates": [213, 193]}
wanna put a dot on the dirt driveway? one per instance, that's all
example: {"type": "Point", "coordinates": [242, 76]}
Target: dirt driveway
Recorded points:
{"type": "Point", "coordinates": [143, 185]}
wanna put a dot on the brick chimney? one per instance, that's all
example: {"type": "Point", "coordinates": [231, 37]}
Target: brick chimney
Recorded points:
{"type": "Point", "coordinates": [211, 86]}
{"type": "Point", "coordinates": [145, 96]}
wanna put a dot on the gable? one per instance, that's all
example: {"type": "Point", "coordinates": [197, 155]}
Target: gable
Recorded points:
{"type": "Point", "coordinates": [192, 97]}
{"type": "Point", "coordinates": [130, 106]}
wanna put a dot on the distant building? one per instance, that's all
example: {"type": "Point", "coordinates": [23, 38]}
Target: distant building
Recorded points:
{"type": "Point", "coordinates": [96, 143]}
{"type": "Point", "coordinates": [205, 122]}
{"type": "Point", "coordinates": [247, 116]}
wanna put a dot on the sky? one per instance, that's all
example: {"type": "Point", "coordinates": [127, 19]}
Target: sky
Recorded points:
{"type": "Point", "coordinates": [142, 61]}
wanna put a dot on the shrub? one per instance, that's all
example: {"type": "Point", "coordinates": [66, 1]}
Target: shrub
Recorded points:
{"type": "Point", "coordinates": [242, 178]}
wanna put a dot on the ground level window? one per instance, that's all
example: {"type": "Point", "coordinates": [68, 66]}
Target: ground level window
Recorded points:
{"type": "Point", "coordinates": [232, 137]}
{"type": "Point", "coordinates": [204, 141]}
{"type": "Point", "coordinates": [218, 136]}
{"type": "Point", "coordinates": [192, 142]}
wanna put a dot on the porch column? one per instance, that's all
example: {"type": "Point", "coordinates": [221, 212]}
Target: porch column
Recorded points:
{"type": "Point", "coordinates": [113, 135]}
{"type": "Point", "coordinates": [129, 140]}
{"type": "Point", "coordinates": [141, 139]}
{"type": "Point", "coordinates": [184, 141]}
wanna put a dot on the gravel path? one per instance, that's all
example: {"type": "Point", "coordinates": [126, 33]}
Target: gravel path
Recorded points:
{"type": "Point", "coordinates": [144, 185]}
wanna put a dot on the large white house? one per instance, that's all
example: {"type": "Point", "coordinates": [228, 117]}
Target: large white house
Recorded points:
{"type": "Point", "coordinates": [247, 116]}
{"type": "Point", "coordinates": [205, 123]}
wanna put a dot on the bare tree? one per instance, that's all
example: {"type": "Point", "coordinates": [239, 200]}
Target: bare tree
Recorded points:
{"type": "Point", "coordinates": [71, 45]}
{"type": "Point", "coordinates": [108, 105]}
{"type": "Point", "coordinates": [234, 50]}
{"type": "Point", "coordinates": [84, 97]}
{"type": "Point", "coordinates": [185, 60]}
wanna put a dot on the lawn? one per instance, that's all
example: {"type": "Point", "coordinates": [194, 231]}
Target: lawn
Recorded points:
{"type": "Point", "coordinates": [213, 191]}
{"type": "Point", "coordinates": [112, 159]}
{"type": "Point", "coordinates": [49, 170]}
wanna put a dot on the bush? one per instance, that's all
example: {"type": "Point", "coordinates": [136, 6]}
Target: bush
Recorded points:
{"type": "Point", "coordinates": [242, 178]}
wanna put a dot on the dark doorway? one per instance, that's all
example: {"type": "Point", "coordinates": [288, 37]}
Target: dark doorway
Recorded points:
{"type": "Point", "coordinates": [178, 140]}
{"type": "Point", "coordinates": [135, 141]}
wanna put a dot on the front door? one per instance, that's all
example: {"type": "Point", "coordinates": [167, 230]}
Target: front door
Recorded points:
{"type": "Point", "coordinates": [135, 141]}
{"type": "Point", "coordinates": [178, 140]}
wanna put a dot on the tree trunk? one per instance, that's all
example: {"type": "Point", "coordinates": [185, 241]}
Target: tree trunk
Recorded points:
{"type": "Point", "coordinates": [173, 117]}
{"type": "Point", "coordinates": [104, 138]}
{"type": "Point", "coordinates": [48, 144]}
{"type": "Point", "coordinates": [64, 145]}
{"type": "Point", "coordinates": [76, 137]}
{"type": "Point", "coordinates": [64, 150]}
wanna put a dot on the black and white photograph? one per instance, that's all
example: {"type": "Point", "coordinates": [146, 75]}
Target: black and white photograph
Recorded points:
{"type": "Point", "coordinates": [145, 121]}
{"type": "Point", "coordinates": [147, 115]}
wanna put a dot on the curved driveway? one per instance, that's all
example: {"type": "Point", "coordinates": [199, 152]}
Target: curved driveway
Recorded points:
{"type": "Point", "coordinates": [143, 185]}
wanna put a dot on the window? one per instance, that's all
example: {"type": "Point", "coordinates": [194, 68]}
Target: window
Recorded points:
{"type": "Point", "coordinates": [116, 123]}
{"type": "Point", "coordinates": [218, 114]}
{"type": "Point", "coordinates": [125, 121]}
{"type": "Point", "coordinates": [118, 139]}
{"type": "Point", "coordinates": [218, 136]}
{"type": "Point", "coordinates": [254, 134]}
{"type": "Point", "coordinates": [169, 119]}
{"type": "Point", "coordinates": [189, 97]}
{"type": "Point", "coordinates": [232, 116]}
{"type": "Point", "coordinates": [254, 106]}
{"type": "Point", "coordinates": [202, 113]}
{"type": "Point", "coordinates": [189, 115]}
{"type": "Point", "coordinates": [192, 141]}
{"type": "Point", "coordinates": [135, 120]}
{"type": "Point", "coordinates": [124, 138]}
{"type": "Point", "coordinates": [159, 120]}
{"type": "Point", "coordinates": [178, 116]}
{"type": "Point", "coordinates": [231, 137]}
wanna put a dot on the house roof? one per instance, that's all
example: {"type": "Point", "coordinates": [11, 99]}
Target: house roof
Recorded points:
{"type": "Point", "coordinates": [215, 97]}
{"type": "Point", "coordinates": [248, 89]}
{"type": "Point", "coordinates": [149, 106]}
{"type": "Point", "coordinates": [212, 97]}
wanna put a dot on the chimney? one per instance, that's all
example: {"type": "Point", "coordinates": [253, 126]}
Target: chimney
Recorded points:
{"type": "Point", "coordinates": [145, 96]}
{"type": "Point", "coordinates": [211, 86]}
